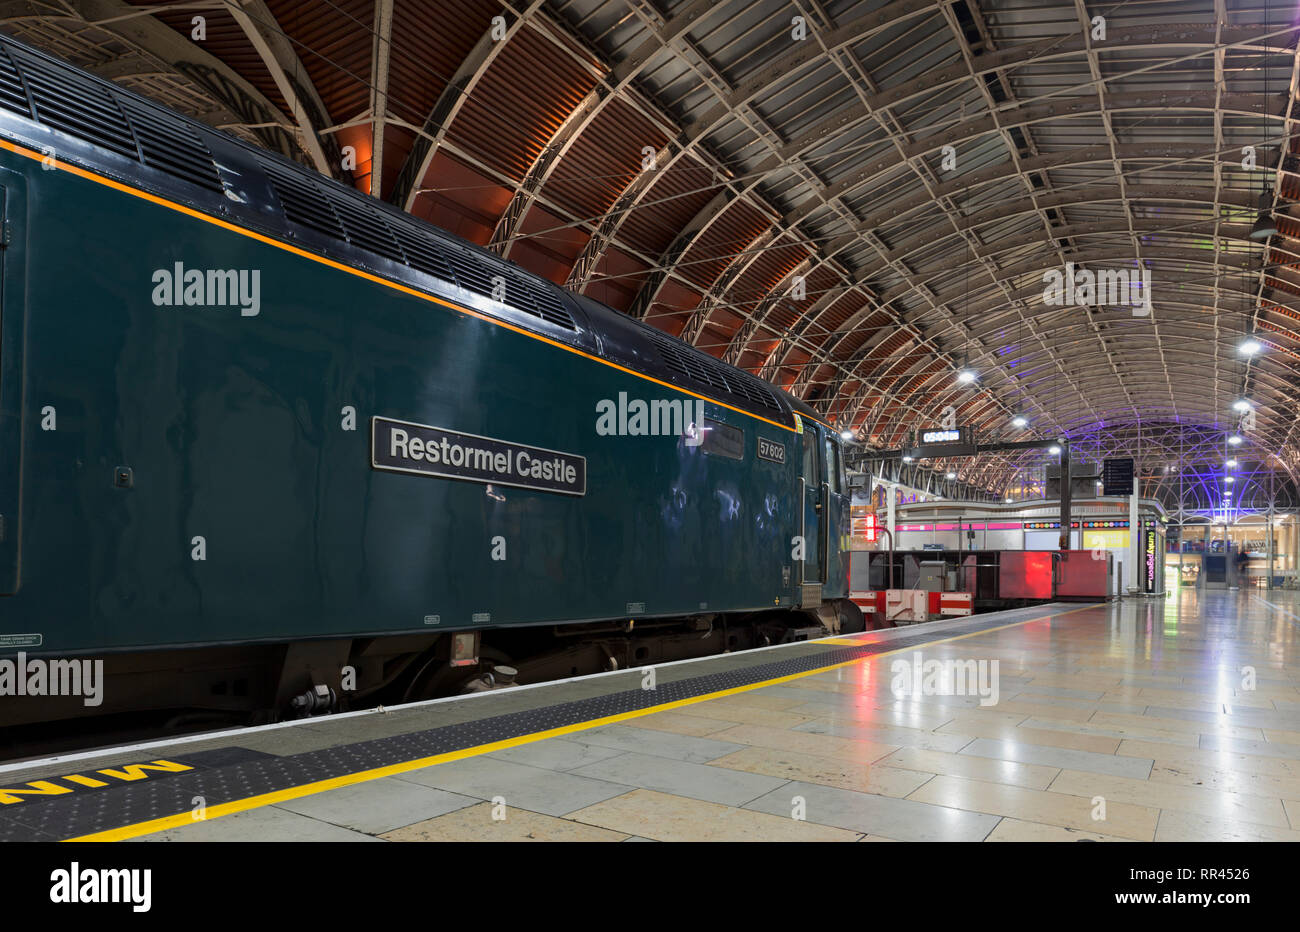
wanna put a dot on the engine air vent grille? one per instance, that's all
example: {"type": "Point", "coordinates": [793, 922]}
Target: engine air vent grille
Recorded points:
{"type": "Point", "coordinates": [709, 373]}
{"type": "Point", "coordinates": [172, 147]}
{"type": "Point", "coordinates": [548, 307]}
{"type": "Point", "coordinates": [67, 102]}
{"type": "Point", "coordinates": [302, 201]}
{"type": "Point", "coordinates": [365, 227]}
{"type": "Point", "coordinates": [478, 274]}
{"type": "Point", "coordinates": [756, 391]}
{"type": "Point", "coordinates": [471, 274]}
{"type": "Point", "coordinates": [12, 95]}
{"type": "Point", "coordinates": [344, 218]}
{"type": "Point", "coordinates": [422, 251]}
{"type": "Point", "coordinates": [62, 98]}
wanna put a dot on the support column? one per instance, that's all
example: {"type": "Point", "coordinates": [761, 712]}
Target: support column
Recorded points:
{"type": "Point", "coordinates": [891, 490]}
{"type": "Point", "coordinates": [1063, 541]}
{"type": "Point", "coordinates": [1268, 549]}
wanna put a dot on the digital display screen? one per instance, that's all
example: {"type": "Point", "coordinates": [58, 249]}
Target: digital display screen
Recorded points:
{"type": "Point", "coordinates": [940, 436]}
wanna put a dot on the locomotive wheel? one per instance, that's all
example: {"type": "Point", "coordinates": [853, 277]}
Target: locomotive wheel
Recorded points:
{"type": "Point", "coordinates": [852, 621]}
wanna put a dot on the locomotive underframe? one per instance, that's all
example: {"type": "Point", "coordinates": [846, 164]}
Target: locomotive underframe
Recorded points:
{"type": "Point", "coordinates": [175, 691]}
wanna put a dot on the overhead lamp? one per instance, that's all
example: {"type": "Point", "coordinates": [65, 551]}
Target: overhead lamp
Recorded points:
{"type": "Point", "coordinates": [1241, 404]}
{"type": "Point", "coordinates": [1231, 464]}
{"type": "Point", "coordinates": [1228, 479]}
{"type": "Point", "coordinates": [952, 475]}
{"type": "Point", "coordinates": [1265, 226]}
{"type": "Point", "coordinates": [1249, 346]}
{"type": "Point", "coordinates": [1009, 502]}
{"type": "Point", "coordinates": [1227, 494]}
{"type": "Point", "coordinates": [907, 459]}
{"type": "Point", "coordinates": [1019, 421]}
{"type": "Point", "coordinates": [1235, 440]}
{"type": "Point", "coordinates": [966, 376]}
{"type": "Point", "coordinates": [846, 435]}
{"type": "Point", "coordinates": [1054, 450]}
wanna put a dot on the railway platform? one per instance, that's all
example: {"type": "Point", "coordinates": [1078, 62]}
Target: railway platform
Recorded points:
{"type": "Point", "coordinates": [1172, 719]}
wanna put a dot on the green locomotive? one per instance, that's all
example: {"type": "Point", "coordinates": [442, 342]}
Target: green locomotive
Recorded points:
{"type": "Point", "coordinates": [264, 437]}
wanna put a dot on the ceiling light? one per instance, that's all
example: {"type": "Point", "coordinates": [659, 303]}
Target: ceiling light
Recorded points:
{"type": "Point", "coordinates": [1234, 440]}
{"type": "Point", "coordinates": [1009, 502]}
{"type": "Point", "coordinates": [1231, 464]}
{"type": "Point", "coordinates": [1241, 404]}
{"type": "Point", "coordinates": [1019, 421]}
{"type": "Point", "coordinates": [1228, 479]}
{"type": "Point", "coordinates": [952, 475]}
{"type": "Point", "coordinates": [1249, 346]}
{"type": "Point", "coordinates": [846, 435]}
{"type": "Point", "coordinates": [966, 376]}
{"type": "Point", "coordinates": [1265, 226]}
{"type": "Point", "coordinates": [1054, 450]}
{"type": "Point", "coordinates": [907, 459]}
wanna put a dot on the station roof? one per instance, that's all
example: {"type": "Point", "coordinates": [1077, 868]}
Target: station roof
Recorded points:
{"type": "Point", "coordinates": [853, 200]}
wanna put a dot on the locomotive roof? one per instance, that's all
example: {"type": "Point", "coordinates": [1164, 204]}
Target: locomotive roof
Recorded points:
{"type": "Point", "coordinates": [85, 120]}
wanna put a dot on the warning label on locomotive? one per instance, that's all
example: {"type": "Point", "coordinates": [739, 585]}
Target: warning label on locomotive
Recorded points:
{"type": "Point", "coordinates": [400, 446]}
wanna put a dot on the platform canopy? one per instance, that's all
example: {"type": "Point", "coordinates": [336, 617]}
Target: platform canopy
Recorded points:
{"type": "Point", "coordinates": [855, 200]}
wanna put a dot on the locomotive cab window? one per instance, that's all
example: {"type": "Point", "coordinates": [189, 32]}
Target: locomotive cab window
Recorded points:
{"type": "Point", "coordinates": [809, 457]}
{"type": "Point", "coordinates": [723, 440]}
{"type": "Point", "coordinates": [833, 478]}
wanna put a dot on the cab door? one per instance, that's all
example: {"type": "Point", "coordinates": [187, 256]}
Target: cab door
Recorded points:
{"type": "Point", "coordinates": [836, 510]}
{"type": "Point", "coordinates": [811, 533]}
{"type": "Point", "coordinates": [10, 384]}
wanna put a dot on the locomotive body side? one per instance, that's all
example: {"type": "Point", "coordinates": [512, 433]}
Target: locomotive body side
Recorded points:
{"type": "Point", "coordinates": [232, 427]}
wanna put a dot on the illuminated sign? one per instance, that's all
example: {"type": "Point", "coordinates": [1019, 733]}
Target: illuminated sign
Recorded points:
{"type": "Point", "coordinates": [1105, 540]}
{"type": "Point", "coordinates": [1107, 524]}
{"type": "Point", "coordinates": [941, 436]}
{"type": "Point", "coordinates": [1151, 561]}
{"type": "Point", "coordinates": [1046, 525]}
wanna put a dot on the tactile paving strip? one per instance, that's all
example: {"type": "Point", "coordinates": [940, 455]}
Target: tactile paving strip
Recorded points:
{"type": "Point", "coordinates": [253, 775]}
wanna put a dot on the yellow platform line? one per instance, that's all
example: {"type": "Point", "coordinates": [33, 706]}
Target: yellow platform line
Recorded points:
{"type": "Point", "coordinates": [364, 776]}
